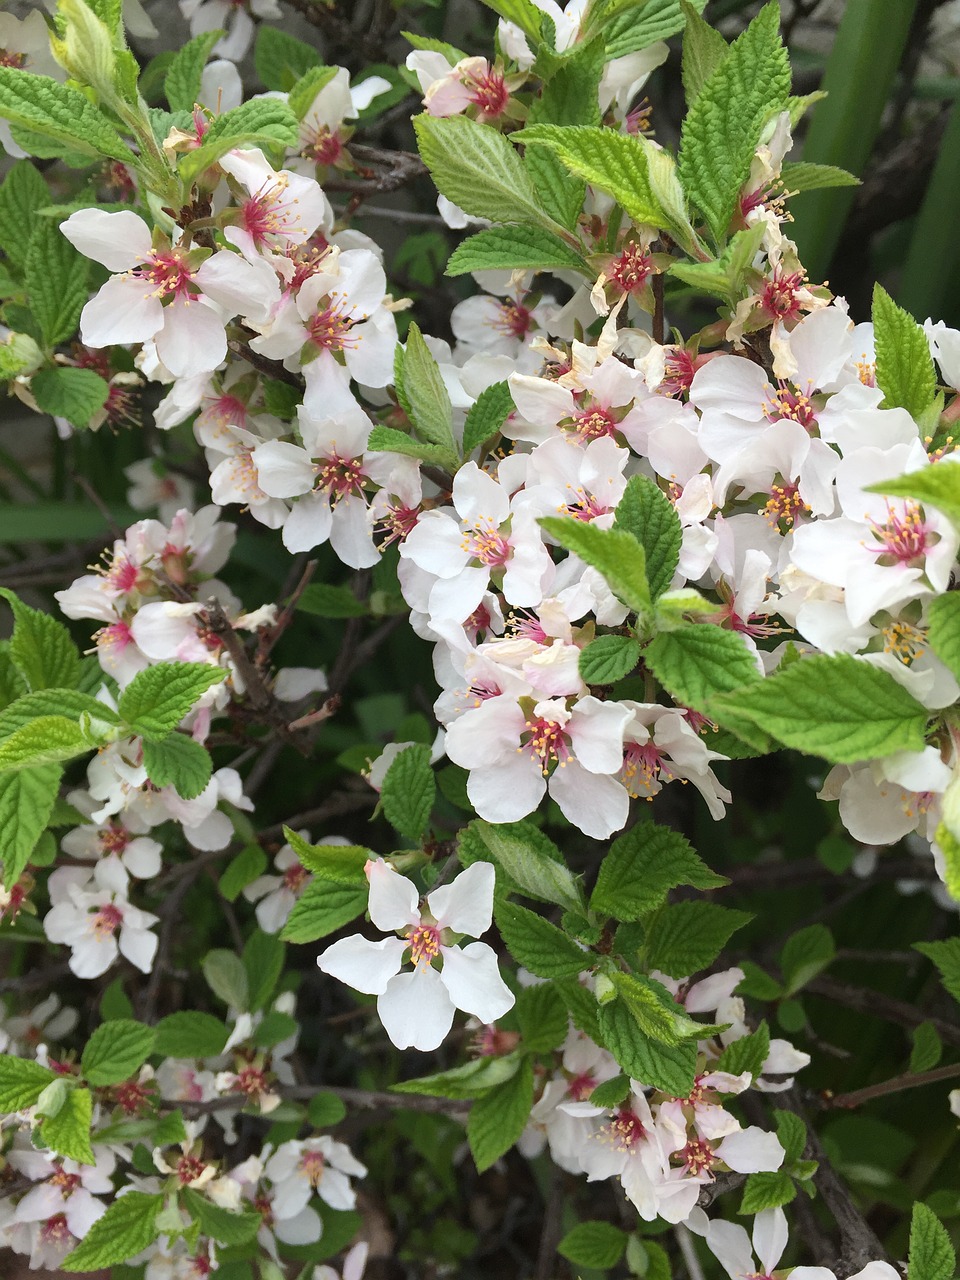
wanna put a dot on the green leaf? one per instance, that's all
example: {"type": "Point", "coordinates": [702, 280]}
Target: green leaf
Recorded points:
{"type": "Point", "coordinates": [832, 706]}
{"type": "Point", "coordinates": [931, 1255]}
{"type": "Point", "coordinates": [704, 48]}
{"type": "Point", "coordinates": [792, 1133]}
{"type": "Point", "coordinates": [157, 699]}
{"type": "Point", "coordinates": [498, 1118]}
{"type": "Point", "coordinates": [263, 956]}
{"type": "Point", "coordinates": [671, 1068]}
{"type": "Point", "coordinates": [328, 601]}
{"type": "Point", "coordinates": [190, 1034]}
{"type": "Point", "coordinates": [804, 176]}
{"type": "Point", "coordinates": [658, 19]}
{"type": "Point", "coordinates": [68, 1132]}
{"type": "Point", "coordinates": [242, 870]}
{"type": "Point", "coordinates": [281, 59]}
{"type": "Point", "coordinates": [486, 416]}
{"type": "Point", "coordinates": [757, 983]}
{"type": "Point", "coordinates": [74, 394]}
{"type": "Point", "coordinates": [26, 802]}
{"type": "Point", "coordinates": [179, 762]}
{"type": "Point", "coordinates": [262, 121]}
{"type": "Point", "coordinates": [21, 1082]}
{"type": "Point", "coordinates": [41, 647]}
{"type": "Point", "coordinates": [614, 162]}
{"type": "Point", "coordinates": [409, 791]}
{"type": "Point", "coordinates": [905, 370]}
{"type": "Point", "coordinates": [342, 863]}
{"type": "Point", "coordinates": [303, 94]}
{"type": "Point", "coordinates": [937, 486]}
{"type": "Point", "coordinates": [429, 401]}
{"type": "Point", "coordinates": [182, 81]}
{"type": "Point", "coordinates": [22, 192]}
{"type": "Point", "coordinates": [593, 1244]}
{"type": "Point", "coordinates": [700, 660]}
{"type": "Point", "coordinates": [523, 13]}
{"type": "Point", "coordinates": [227, 978]}
{"type": "Point", "coordinates": [723, 126]}
{"type": "Point", "coordinates": [472, 1080]}
{"type": "Point", "coordinates": [539, 945]}
{"type": "Point", "coordinates": [608, 659]}
{"type": "Point", "coordinates": [927, 1047]}
{"type": "Point", "coordinates": [57, 111]}
{"type": "Point", "coordinates": [542, 1016]}
{"type": "Point", "coordinates": [42, 741]}
{"type": "Point", "coordinates": [322, 909]}
{"type": "Point", "coordinates": [476, 167]}
{"type": "Point", "coordinates": [804, 955]}
{"type": "Point", "coordinates": [221, 1224]}
{"type": "Point", "coordinates": [569, 97]}
{"type": "Point", "coordinates": [688, 936]}
{"type": "Point", "coordinates": [325, 1109]}
{"type": "Point", "coordinates": [511, 248]}
{"type": "Point", "coordinates": [943, 619]}
{"type": "Point", "coordinates": [641, 868]}
{"type": "Point", "coordinates": [528, 865]}
{"type": "Point", "coordinates": [610, 1093]}
{"type": "Point", "coordinates": [653, 1008]}
{"type": "Point", "coordinates": [647, 513]}
{"type": "Point", "coordinates": [126, 1229]}
{"type": "Point", "coordinates": [616, 554]}
{"type": "Point", "coordinates": [115, 1051]}
{"type": "Point", "coordinates": [749, 1053]}
{"type": "Point", "coordinates": [766, 1191]}
{"type": "Point", "coordinates": [390, 440]}
{"type": "Point", "coordinates": [946, 956]}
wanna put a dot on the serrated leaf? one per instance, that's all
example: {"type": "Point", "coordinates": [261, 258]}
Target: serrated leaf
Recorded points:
{"type": "Point", "coordinates": [115, 1051]}
{"type": "Point", "coordinates": [472, 1080]}
{"type": "Point", "coordinates": [157, 699]}
{"type": "Point", "coordinates": [43, 740]}
{"type": "Point", "coordinates": [242, 870]}
{"type": "Point", "coordinates": [647, 513]}
{"type": "Point", "coordinates": [542, 1016]}
{"type": "Point", "coordinates": [927, 1047]}
{"type": "Point", "coordinates": [190, 1034]}
{"type": "Point", "coordinates": [344, 864]}
{"type": "Point", "coordinates": [185, 72]}
{"type": "Point", "coordinates": [262, 121]}
{"type": "Point", "coordinates": [791, 1133]}
{"type": "Point", "coordinates": [263, 956]}
{"type": "Point", "coordinates": [511, 248]}
{"type": "Point", "coordinates": [64, 392]}
{"type": "Point", "coordinates": [608, 659]}
{"type": "Point", "coordinates": [477, 168]}
{"type": "Point", "coordinates": [943, 619]}
{"type": "Point", "coordinates": [700, 660]}
{"type": "Point", "coordinates": [757, 983]}
{"type": "Point", "coordinates": [428, 398]}
{"type": "Point", "coordinates": [539, 945]}
{"type": "Point", "coordinates": [179, 762]}
{"type": "Point", "coordinates": [536, 874]}
{"type": "Point", "coordinates": [126, 1229]}
{"type": "Point", "coordinates": [654, 1010]}
{"type": "Point", "coordinates": [946, 956]}
{"type": "Point", "coordinates": [22, 192]}
{"type": "Point", "coordinates": [685, 937]}
{"type": "Point", "coordinates": [522, 13]}
{"type": "Point", "coordinates": [21, 1082]}
{"type": "Point", "coordinates": [931, 1255]}
{"type": "Point", "coordinates": [641, 868]}
{"type": "Point", "coordinates": [390, 440]}
{"type": "Point", "coordinates": [220, 1224]}
{"type": "Point", "coordinates": [629, 32]}
{"type": "Point", "coordinates": [498, 1118]}
{"type": "Point", "coordinates": [227, 978]}
{"type": "Point", "coordinates": [593, 1244]}
{"type": "Point", "coordinates": [68, 1132]}
{"type": "Point", "coordinates": [323, 908]}
{"type": "Point", "coordinates": [409, 791]}
{"type": "Point", "coordinates": [327, 601]}
{"type": "Point", "coordinates": [613, 162]}
{"type": "Point", "coordinates": [281, 59]}
{"type": "Point", "coordinates": [749, 1053]}
{"type": "Point", "coordinates": [610, 1093]}
{"type": "Point", "coordinates": [41, 647]}
{"type": "Point", "coordinates": [704, 48]}
{"type": "Point", "coordinates": [766, 1191]}
{"type": "Point", "coordinates": [304, 93]}
{"type": "Point", "coordinates": [486, 416]}
{"type": "Point", "coordinates": [671, 1068]}
{"type": "Point", "coordinates": [723, 126]}
{"type": "Point", "coordinates": [937, 485]}
{"type": "Point", "coordinates": [615, 553]}
{"type": "Point", "coordinates": [836, 707]}
{"type": "Point", "coordinates": [59, 112]}
{"type": "Point", "coordinates": [26, 802]}
{"type": "Point", "coordinates": [804, 955]}
{"type": "Point", "coordinates": [905, 370]}
{"type": "Point", "coordinates": [802, 175]}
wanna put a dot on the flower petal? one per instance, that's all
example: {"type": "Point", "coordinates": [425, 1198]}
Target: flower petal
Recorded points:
{"type": "Point", "coordinates": [364, 965]}
{"type": "Point", "coordinates": [472, 977]}
{"type": "Point", "coordinates": [416, 1010]}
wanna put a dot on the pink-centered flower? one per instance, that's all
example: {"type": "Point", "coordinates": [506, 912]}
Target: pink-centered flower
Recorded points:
{"type": "Point", "coordinates": [416, 1005]}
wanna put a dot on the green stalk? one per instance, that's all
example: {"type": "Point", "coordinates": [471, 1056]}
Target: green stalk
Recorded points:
{"type": "Point", "coordinates": [859, 76]}
{"type": "Point", "coordinates": [928, 279]}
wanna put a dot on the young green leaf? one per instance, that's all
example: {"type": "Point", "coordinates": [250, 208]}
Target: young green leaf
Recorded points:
{"type": "Point", "coordinates": [22, 192]}
{"type": "Point", "coordinates": [511, 248]}
{"type": "Point", "coordinates": [766, 1191]}
{"type": "Point", "coordinates": [323, 908]}
{"type": "Point", "coordinates": [74, 394]}
{"type": "Point", "coordinates": [927, 1047]}
{"type": "Point", "coordinates": [190, 1034]}
{"type": "Point", "coordinates": [281, 59]}
{"type": "Point", "coordinates": [946, 956]}
{"type": "Point", "coordinates": [68, 1132]}
{"type": "Point", "coordinates": [390, 440]}
{"type": "Point", "coordinates": [704, 48]}
{"type": "Point", "coordinates": [646, 512]}
{"type": "Point", "coordinates": [126, 1229]}
{"type": "Point", "coordinates": [593, 1244]}
{"type": "Point", "coordinates": [610, 1093]}
{"type": "Point", "coordinates": [486, 416]}
{"type": "Point", "coordinates": [157, 699]}
{"type": "Point", "coordinates": [528, 865]}
{"type": "Point", "coordinates": [409, 791]}
{"type": "Point", "coordinates": [803, 175]}
{"type": "Point", "coordinates": [608, 659]}
{"type": "Point", "coordinates": [641, 868]}
{"type": "Point", "coordinates": [686, 937]}
{"type": "Point", "coordinates": [616, 554]}
{"type": "Point", "coordinates": [905, 371]}
{"type": "Point", "coordinates": [749, 1053]}
{"type": "Point", "coordinates": [804, 955]}
{"type": "Point", "coordinates": [471, 1080]}
{"type": "Point", "coordinates": [653, 1009]}
{"type": "Point", "coordinates": [325, 600]}
{"type": "Point", "coordinates": [61, 113]}
{"type": "Point", "coordinates": [182, 81]}
{"type": "Point", "coordinates": [700, 660]}
{"type": "Point", "coordinates": [242, 870]}
{"type": "Point", "coordinates": [629, 31]}
{"type": "Point", "coordinates": [180, 762]}
{"type": "Point", "coordinates": [344, 864]}
{"type": "Point", "coordinates": [542, 1016]}
{"type": "Point", "coordinates": [115, 1051]}
{"type": "Point", "coordinates": [262, 121]}
{"type": "Point", "coordinates": [931, 1255]}
{"type": "Point", "coordinates": [227, 978]}
{"type": "Point", "coordinates": [21, 1082]}
{"type": "Point", "coordinates": [539, 945]}
{"type": "Point", "coordinates": [263, 956]}
{"type": "Point", "coordinates": [497, 1119]}
{"type": "Point", "coordinates": [220, 1224]}
{"type": "Point", "coordinates": [41, 647]}
{"type": "Point", "coordinates": [943, 619]}
{"type": "Point", "coordinates": [937, 486]}
{"type": "Point", "coordinates": [429, 401]}
{"type": "Point", "coordinates": [27, 798]}
{"type": "Point", "coordinates": [671, 1068]}
{"type": "Point", "coordinates": [43, 740]}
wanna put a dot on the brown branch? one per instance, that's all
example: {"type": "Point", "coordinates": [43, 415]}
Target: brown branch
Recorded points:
{"type": "Point", "coordinates": [364, 1098]}
{"type": "Point", "coordinates": [378, 171]}
{"type": "Point", "coordinates": [552, 1228]}
{"type": "Point", "coordinates": [862, 1000]}
{"type": "Point", "coordinates": [271, 368]}
{"type": "Point", "coordinates": [909, 1080]}
{"type": "Point", "coordinates": [344, 802]}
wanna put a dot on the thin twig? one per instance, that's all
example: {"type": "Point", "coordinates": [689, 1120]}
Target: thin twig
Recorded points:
{"type": "Point", "coordinates": [897, 1084]}
{"type": "Point", "coordinates": [355, 1097]}
{"type": "Point", "coordinates": [552, 1228]}
{"type": "Point", "coordinates": [863, 1000]}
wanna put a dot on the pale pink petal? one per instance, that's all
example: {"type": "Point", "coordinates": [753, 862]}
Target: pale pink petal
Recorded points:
{"type": "Point", "coordinates": [116, 240]}
{"type": "Point", "coordinates": [125, 310]}
{"type": "Point", "coordinates": [192, 340]}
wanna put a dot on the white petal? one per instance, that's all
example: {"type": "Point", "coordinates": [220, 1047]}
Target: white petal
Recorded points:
{"type": "Point", "coordinates": [192, 340]}
{"type": "Point", "coordinates": [393, 898]}
{"type": "Point", "coordinates": [123, 311]}
{"type": "Point", "coordinates": [366, 966]}
{"type": "Point", "coordinates": [472, 978]}
{"type": "Point", "coordinates": [117, 240]}
{"type": "Point", "coordinates": [416, 1010]}
{"type": "Point", "coordinates": [466, 904]}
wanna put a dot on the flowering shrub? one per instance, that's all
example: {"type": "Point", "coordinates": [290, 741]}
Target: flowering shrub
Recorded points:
{"type": "Point", "coordinates": [634, 555]}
